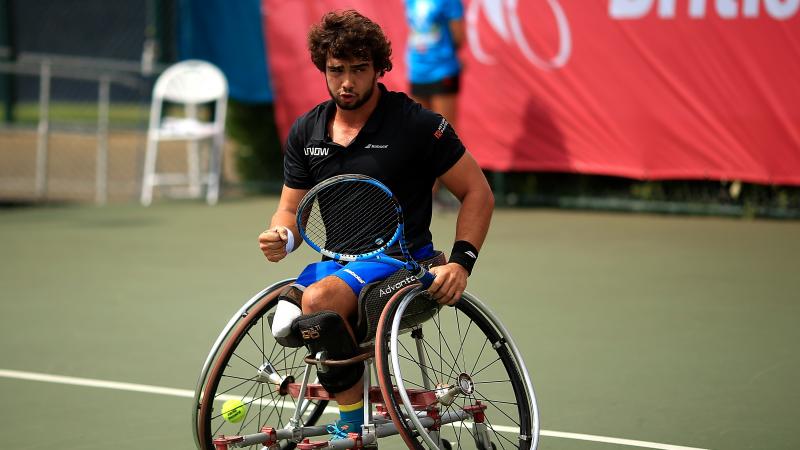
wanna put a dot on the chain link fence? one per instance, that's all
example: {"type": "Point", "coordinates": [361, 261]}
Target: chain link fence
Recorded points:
{"type": "Point", "coordinates": [75, 85]}
{"type": "Point", "coordinates": [75, 82]}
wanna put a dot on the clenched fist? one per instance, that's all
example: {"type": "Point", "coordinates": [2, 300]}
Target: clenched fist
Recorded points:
{"type": "Point", "coordinates": [273, 243]}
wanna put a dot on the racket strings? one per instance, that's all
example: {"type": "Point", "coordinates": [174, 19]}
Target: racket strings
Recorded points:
{"type": "Point", "coordinates": [368, 220]}
{"type": "Point", "coordinates": [350, 218]}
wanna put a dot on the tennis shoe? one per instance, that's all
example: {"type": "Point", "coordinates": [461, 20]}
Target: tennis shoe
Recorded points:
{"type": "Point", "coordinates": [341, 429]}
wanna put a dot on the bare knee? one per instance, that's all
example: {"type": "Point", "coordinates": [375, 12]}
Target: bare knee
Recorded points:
{"type": "Point", "coordinates": [329, 294]}
{"type": "Point", "coordinates": [314, 298]}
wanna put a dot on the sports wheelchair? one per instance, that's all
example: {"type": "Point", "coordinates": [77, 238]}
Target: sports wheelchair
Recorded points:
{"type": "Point", "coordinates": [447, 377]}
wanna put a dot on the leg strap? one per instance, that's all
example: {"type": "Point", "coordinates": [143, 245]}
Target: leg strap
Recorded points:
{"type": "Point", "coordinates": [326, 331]}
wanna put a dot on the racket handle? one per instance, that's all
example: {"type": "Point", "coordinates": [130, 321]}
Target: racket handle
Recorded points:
{"type": "Point", "coordinates": [426, 278]}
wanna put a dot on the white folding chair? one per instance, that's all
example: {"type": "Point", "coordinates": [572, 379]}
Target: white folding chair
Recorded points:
{"type": "Point", "coordinates": [189, 83]}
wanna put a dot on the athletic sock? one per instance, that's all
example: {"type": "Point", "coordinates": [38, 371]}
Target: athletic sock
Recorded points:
{"type": "Point", "coordinates": [351, 418]}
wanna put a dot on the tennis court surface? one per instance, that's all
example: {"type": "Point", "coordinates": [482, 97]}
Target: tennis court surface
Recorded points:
{"type": "Point", "coordinates": [639, 331]}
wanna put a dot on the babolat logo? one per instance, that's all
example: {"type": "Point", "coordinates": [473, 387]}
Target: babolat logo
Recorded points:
{"type": "Point", "coordinates": [316, 151]}
{"type": "Point", "coordinates": [310, 333]}
{"type": "Point", "coordinates": [355, 275]}
{"type": "Point", "coordinates": [376, 146]}
{"type": "Point", "coordinates": [397, 286]}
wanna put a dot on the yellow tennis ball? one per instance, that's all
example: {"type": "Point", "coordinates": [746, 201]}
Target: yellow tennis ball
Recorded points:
{"type": "Point", "coordinates": [234, 410]}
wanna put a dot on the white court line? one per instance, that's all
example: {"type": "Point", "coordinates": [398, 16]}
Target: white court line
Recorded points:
{"type": "Point", "coordinates": [89, 382]}
{"type": "Point", "coordinates": [132, 387]}
{"type": "Point", "coordinates": [613, 440]}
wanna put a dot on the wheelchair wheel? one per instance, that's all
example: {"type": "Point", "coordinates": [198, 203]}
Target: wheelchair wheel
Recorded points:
{"type": "Point", "coordinates": [479, 394]}
{"type": "Point", "coordinates": [247, 364]}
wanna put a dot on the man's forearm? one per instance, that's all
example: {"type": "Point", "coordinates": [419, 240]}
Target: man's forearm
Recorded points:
{"type": "Point", "coordinates": [285, 219]}
{"type": "Point", "coordinates": [474, 217]}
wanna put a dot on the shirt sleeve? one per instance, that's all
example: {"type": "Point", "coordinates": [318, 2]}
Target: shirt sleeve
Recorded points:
{"type": "Point", "coordinates": [295, 168]}
{"type": "Point", "coordinates": [444, 147]}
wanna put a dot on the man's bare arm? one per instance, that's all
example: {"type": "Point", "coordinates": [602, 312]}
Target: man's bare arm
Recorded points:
{"type": "Point", "coordinates": [467, 182]}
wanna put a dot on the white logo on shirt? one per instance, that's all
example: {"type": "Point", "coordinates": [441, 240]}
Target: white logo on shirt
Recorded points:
{"type": "Point", "coordinates": [440, 129]}
{"type": "Point", "coordinates": [316, 151]}
{"type": "Point", "coordinates": [376, 146]}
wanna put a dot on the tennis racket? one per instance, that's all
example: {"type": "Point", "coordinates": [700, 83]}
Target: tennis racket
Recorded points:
{"type": "Point", "coordinates": [356, 218]}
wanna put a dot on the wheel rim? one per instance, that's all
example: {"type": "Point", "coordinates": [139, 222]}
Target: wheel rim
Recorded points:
{"type": "Point", "coordinates": [242, 372]}
{"type": "Point", "coordinates": [467, 361]}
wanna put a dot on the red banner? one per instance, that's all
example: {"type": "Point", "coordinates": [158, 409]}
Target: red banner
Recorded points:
{"type": "Point", "coordinates": [648, 89]}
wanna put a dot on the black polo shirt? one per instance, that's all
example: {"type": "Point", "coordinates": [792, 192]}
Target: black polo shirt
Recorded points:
{"type": "Point", "coordinates": [403, 145]}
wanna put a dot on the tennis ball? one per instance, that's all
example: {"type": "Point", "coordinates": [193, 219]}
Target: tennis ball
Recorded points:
{"type": "Point", "coordinates": [233, 410]}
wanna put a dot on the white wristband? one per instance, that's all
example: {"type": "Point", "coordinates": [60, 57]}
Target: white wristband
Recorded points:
{"type": "Point", "coordinates": [289, 241]}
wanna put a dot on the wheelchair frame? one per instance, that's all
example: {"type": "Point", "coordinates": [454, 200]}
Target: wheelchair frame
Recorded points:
{"type": "Point", "coordinates": [388, 407]}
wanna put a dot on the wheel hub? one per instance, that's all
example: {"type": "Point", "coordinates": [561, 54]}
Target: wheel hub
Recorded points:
{"type": "Point", "coordinates": [267, 374]}
{"type": "Point", "coordinates": [465, 384]}
{"type": "Point", "coordinates": [448, 393]}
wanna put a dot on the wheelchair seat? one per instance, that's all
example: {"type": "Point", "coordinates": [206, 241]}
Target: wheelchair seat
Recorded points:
{"type": "Point", "coordinates": [375, 295]}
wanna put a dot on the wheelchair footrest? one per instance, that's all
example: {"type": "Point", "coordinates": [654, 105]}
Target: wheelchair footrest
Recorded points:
{"type": "Point", "coordinates": [420, 398]}
{"type": "Point", "coordinates": [314, 391]}
{"type": "Point", "coordinates": [311, 445]}
{"type": "Point", "coordinates": [353, 441]}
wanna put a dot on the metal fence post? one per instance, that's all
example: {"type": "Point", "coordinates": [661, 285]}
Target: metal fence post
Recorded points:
{"type": "Point", "coordinates": [43, 130]}
{"type": "Point", "coordinates": [101, 166]}
{"type": "Point", "coordinates": [499, 188]}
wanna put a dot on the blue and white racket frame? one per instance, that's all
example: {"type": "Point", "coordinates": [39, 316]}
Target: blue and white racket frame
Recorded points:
{"type": "Point", "coordinates": [411, 265]}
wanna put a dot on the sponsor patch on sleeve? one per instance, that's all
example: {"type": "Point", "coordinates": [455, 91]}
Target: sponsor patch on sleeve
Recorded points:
{"type": "Point", "coordinates": [440, 129]}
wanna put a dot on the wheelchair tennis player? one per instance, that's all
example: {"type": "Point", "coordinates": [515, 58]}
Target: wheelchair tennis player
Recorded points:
{"type": "Point", "coordinates": [366, 129]}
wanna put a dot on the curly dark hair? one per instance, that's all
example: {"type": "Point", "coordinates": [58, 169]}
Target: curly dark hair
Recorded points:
{"type": "Point", "coordinates": [348, 34]}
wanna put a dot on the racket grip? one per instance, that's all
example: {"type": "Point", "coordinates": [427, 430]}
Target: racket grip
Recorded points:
{"type": "Point", "coordinates": [426, 278]}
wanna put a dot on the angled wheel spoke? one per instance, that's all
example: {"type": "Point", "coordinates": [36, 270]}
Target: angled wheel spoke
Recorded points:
{"type": "Point", "coordinates": [486, 366]}
{"type": "Point", "coordinates": [426, 366]}
{"type": "Point", "coordinates": [507, 380]}
{"type": "Point", "coordinates": [503, 437]}
{"type": "Point", "coordinates": [480, 354]}
{"type": "Point", "coordinates": [500, 410]}
{"type": "Point", "coordinates": [443, 341]}
{"type": "Point", "coordinates": [412, 357]}
{"type": "Point", "coordinates": [259, 347]}
{"type": "Point", "coordinates": [235, 387]}
{"type": "Point", "coordinates": [444, 362]}
{"type": "Point", "coordinates": [245, 360]}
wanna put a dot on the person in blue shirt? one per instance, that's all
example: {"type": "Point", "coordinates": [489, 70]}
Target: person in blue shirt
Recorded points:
{"type": "Point", "coordinates": [436, 32]}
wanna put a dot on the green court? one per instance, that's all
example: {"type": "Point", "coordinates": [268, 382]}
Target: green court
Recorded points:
{"type": "Point", "coordinates": [639, 331]}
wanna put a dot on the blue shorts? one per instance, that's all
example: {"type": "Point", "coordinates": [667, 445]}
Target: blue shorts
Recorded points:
{"type": "Point", "coordinates": [356, 274]}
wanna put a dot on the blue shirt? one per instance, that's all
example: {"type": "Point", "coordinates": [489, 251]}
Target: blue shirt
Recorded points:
{"type": "Point", "coordinates": [431, 54]}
